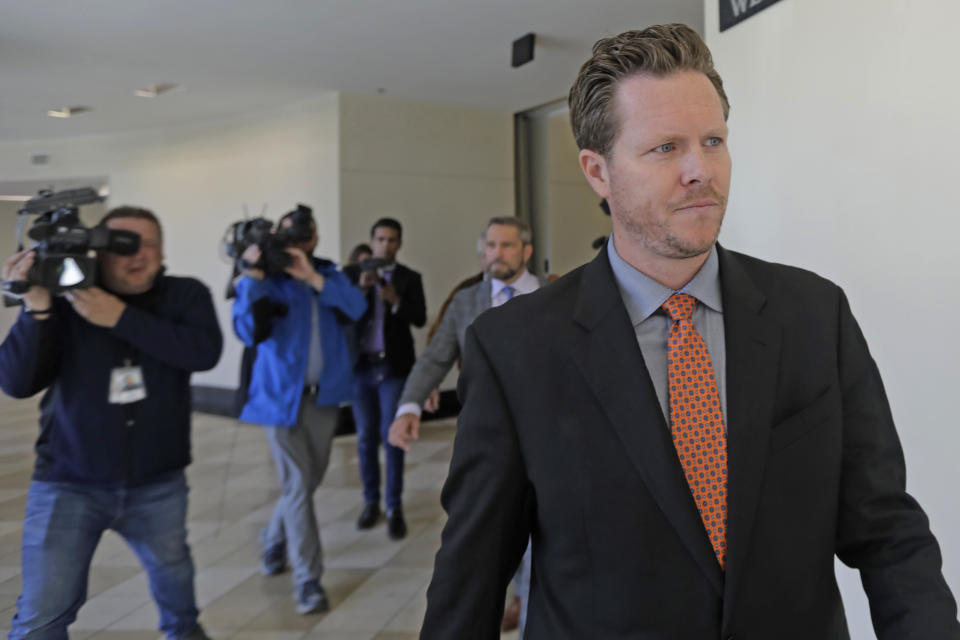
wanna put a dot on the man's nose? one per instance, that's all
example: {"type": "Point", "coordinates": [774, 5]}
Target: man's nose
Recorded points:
{"type": "Point", "coordinates": [696, 169]}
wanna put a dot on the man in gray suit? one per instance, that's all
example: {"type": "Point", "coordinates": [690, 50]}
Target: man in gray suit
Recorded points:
{"type": "Point", "coordinates": [505, 250]}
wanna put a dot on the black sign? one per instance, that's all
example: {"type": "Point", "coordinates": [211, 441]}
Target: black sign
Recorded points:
{"type": "Point", "coordinates": [736, 11]}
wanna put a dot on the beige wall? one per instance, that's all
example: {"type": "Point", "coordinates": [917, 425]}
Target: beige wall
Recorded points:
{"type": "Point", "coordinates": [576, 219]}
{"type": "Point", "coordinates": [196, 179]}
{"type": "Point", "coordinates": [843, 130]}
{"type": "Point", "coordinates": [441, 170]}
{"type": "Point", "coordinates": [564, 212]}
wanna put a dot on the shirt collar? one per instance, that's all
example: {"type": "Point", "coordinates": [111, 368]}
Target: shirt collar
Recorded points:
{"type": "Point", "coordinates": [642, 295]}
{"type": "Point", "coordinates": [526, 283]}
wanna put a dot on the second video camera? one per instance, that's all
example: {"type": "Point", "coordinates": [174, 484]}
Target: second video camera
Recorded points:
{"type": "Point", "coordinates": [273, 241]}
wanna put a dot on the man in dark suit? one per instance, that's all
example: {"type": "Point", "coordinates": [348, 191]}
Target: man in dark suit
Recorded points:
{"type": "Point", "coordinates": [689, 435]}
{"type": "Point", "coordinates": [385, 353]}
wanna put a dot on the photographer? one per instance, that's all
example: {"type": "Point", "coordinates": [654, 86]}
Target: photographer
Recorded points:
{"type": "Point", "coordinates": [395, 302]}
{"type": "Point", "coordinates": [114, 427]}
{"type": "Point", "coordinates": [301, 374]}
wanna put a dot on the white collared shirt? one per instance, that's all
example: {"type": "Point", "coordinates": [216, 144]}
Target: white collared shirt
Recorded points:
{"type": "Point", "coordinates": [526, 283]}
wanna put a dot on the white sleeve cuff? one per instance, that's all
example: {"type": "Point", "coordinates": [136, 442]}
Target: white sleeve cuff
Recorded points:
{"type": "Point", "coordinates": [409, 407]}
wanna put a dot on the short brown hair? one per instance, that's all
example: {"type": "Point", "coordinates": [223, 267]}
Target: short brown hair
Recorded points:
{"type": "Point", "coordinates": [127, 211]}
{"type": "Point", "coordinates": [659, 50]}
{"type": "Point", "coordinates": [523, 229]}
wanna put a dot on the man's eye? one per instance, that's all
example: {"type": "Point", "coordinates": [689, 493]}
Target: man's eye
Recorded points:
{"type": "Point", "coordinates": [714, 141]}
{"type": "Point", "coordinates": [665, 148]}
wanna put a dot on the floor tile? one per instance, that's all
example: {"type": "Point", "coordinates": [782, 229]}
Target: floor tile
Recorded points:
{"type": "Point", "coordinates": [376, 586]}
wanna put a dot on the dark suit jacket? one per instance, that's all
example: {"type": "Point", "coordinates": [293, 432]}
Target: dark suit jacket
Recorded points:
{"type": "Point", "coordinates": [561, 437]}
{"type": "Point", "coordinates": [397, 338]}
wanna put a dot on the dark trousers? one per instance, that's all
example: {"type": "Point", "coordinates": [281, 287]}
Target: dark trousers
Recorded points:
{"type": "Point", "coordinates": [375, 397]}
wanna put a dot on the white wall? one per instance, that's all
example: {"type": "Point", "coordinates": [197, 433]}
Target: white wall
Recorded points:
{"type": "Point", "coordinates": [844, 135]}
{"type": "Point", "coordinates": [196, 179]}
{"type": "Point", "coordinates": [441, 170]}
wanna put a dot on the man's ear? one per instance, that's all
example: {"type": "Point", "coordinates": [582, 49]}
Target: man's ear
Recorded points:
{"type": "Point", "coordinates": [594, 168]}
{"type": "Point", "coordinates": [527, 252]}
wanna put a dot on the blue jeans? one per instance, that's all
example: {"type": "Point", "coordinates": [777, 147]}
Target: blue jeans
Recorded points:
{"type": "Point", "coordinates": [375, 397]}
{"type": "Point", "coordinates": [62, 527]}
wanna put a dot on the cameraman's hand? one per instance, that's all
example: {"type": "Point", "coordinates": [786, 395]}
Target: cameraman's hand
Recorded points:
{"type": "Point", "coordinates": [302, 269]}
{"type": "Point", "coordinates": [97, 306]}
{"type": "Point", "coordinates": [252, 256]}
{"type": "Point", "coordinates": [368, 279]}
{"type": "Point", "coordinates": [389, 294]}
{"type": "Point", "coordinates": [15, 269]}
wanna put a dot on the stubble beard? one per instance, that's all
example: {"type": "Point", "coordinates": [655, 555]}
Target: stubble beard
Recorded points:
{"type": "Point", "coordinates": [657, 237]}
{"type": "Point", "coordinates": [505, 274]}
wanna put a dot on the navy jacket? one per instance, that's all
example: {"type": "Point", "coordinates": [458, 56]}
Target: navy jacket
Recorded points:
{"type": "Point", "coordinates": [170, 331]}
{"type": "Point", "coordinates": [276, 385]}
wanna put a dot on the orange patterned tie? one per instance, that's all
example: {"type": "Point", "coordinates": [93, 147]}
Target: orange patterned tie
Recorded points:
{"type": "Point", "coordinates": [696, 420]}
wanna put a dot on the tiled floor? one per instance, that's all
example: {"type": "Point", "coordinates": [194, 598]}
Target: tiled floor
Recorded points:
{"type": "Point", "coordinates": [377, 587]}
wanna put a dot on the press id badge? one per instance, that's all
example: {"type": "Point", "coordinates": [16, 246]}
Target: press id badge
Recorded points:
{"type": "Point", "coordinates": [126, 385]}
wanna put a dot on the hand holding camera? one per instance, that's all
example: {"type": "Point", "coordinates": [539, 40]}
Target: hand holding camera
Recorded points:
{"type": "Point", "coordinates": [301, 269]}
{"type": "Point", "coordinates": [249, 258]}
{"type": "Point", "coordinates": [371, 272]}
{"type": "Point", "coordinates": [15, 269]}
{"type": "Point", "coordinates": [97, 306]}
{"type": "Point", "coordinates": [368, 279]}
{"type": "Point", "coordinates": [388, 293]}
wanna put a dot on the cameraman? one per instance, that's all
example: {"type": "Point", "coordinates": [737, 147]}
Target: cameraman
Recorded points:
{"type": "Point", "coordinates": [302, 373]}
{"type": "Point", "coordinates": [114, 427]}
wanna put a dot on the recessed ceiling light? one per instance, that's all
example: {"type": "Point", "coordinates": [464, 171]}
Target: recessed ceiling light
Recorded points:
{"type": "Point", "coordinates": [66, 112]}
{"type": "Point", "coordinates": [155, 90]}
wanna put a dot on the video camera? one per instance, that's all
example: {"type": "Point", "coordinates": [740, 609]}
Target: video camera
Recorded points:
{"type": "Point", "coordinates": [375, 265]}
{"type": "Point", "coordinates": [273, 241]}
{"type": "Point", "coordinates": [65, 248]}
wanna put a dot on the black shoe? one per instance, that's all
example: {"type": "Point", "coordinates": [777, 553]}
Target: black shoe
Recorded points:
{"type": "Point", "coordinates": [369, 517]}
{"type": "Point", "coordinates": [196, 634]}
{"type": "Point", "coordinates": [396, 526]}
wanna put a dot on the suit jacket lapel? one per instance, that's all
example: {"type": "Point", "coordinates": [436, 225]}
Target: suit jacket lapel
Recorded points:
{"type": "Point", "coordinates": [482, 298]}
{"type": "Point", "coordinates": [399, 278]}
{"type": "Point", "coordinates": [753, 354]}
{"type": "Point", "coordinates": [611, 362]}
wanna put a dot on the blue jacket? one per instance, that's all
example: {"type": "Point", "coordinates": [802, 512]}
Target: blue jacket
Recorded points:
{"type": "Point", "coordinates": [276, 385]}
{"type": "Point", "coordinates": [170, 331]}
